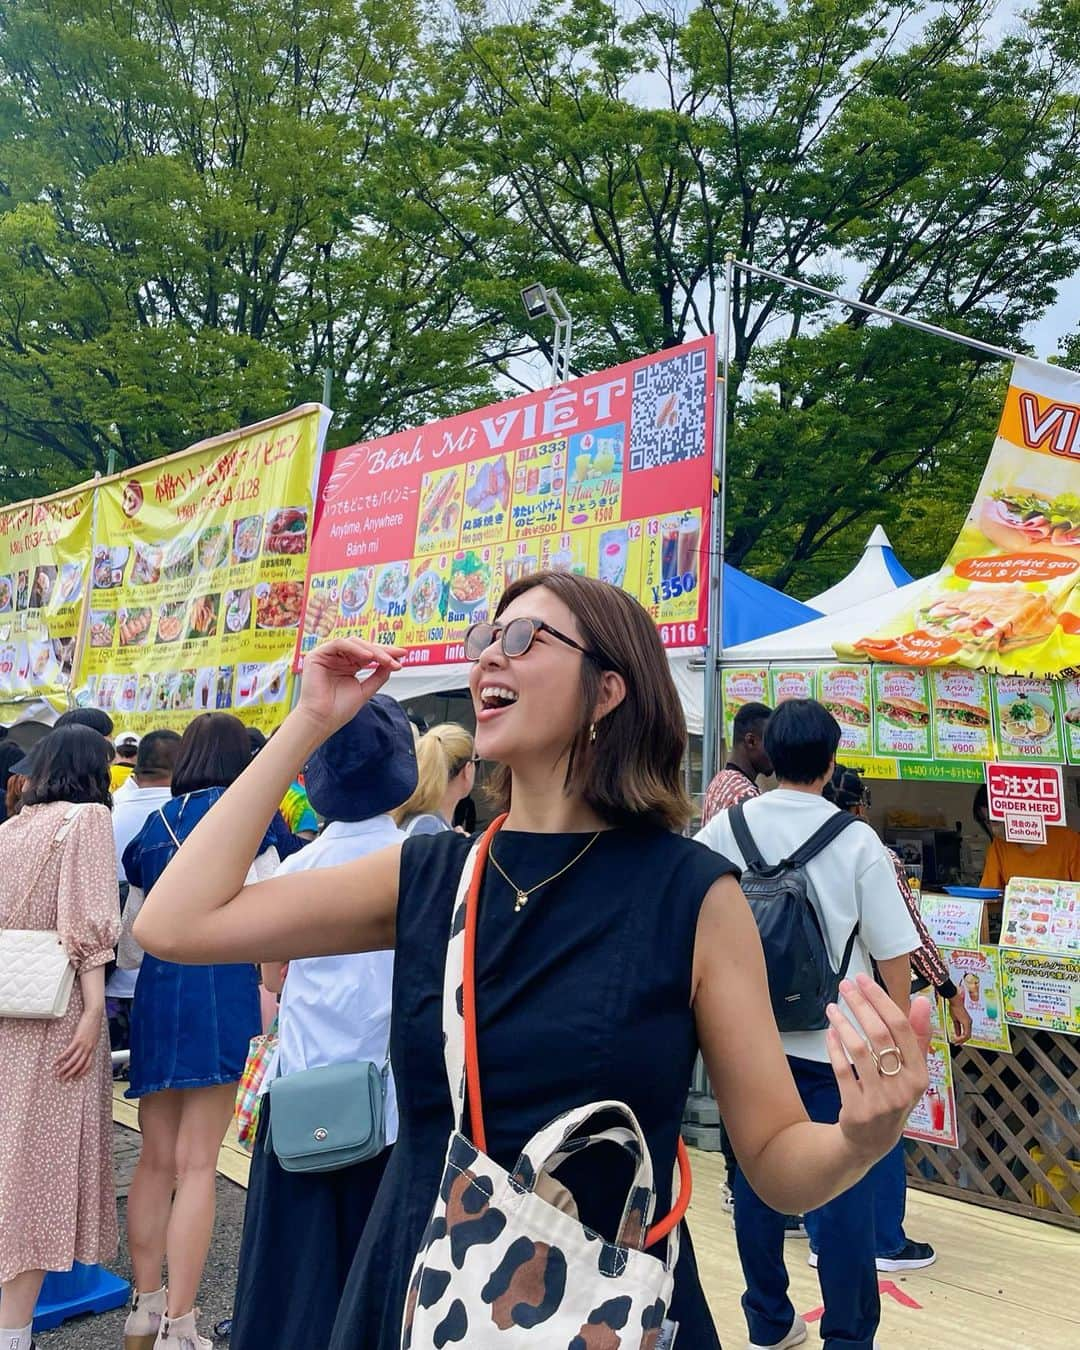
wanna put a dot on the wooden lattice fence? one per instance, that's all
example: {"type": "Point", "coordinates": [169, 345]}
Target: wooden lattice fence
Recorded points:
{"type": "Point", "coordinates": [1019, 1124]}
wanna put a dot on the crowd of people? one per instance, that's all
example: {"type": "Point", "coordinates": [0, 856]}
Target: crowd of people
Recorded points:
{"type": "Point", "coordinates": [446, 1001]}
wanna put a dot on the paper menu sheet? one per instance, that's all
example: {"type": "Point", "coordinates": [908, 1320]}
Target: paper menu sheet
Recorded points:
{"type": "Point", "coordinates": [1042, 915]}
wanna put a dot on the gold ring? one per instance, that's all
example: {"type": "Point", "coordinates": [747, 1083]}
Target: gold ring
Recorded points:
{"type": "Point", "coordinates": [890, 1051]}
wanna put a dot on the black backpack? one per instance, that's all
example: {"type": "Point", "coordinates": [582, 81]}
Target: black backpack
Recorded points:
{"type": "Point", "coordinates": [802, 982]}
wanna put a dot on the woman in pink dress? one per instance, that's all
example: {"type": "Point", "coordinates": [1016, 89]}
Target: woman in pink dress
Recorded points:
{"type": "Point", "coordinates": [58, 871]}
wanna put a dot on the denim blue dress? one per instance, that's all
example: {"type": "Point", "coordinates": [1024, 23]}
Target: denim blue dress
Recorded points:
{"type": "Point", "coordinates": [190, 1025]}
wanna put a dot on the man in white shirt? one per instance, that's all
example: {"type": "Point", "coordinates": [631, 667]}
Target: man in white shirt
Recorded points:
{"type": "Point", "coordinates": [852, 886]}
{"type": "Point", "coordinates": [302, 1228]}
{"type": "Point", "coordinates": [148, 789]}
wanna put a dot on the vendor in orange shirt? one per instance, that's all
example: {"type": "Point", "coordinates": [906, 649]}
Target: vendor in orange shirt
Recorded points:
{"type": "Point", "coordinates": [1056, 860]}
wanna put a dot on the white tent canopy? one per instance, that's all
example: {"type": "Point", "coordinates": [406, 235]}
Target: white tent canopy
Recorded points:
{"type": "Point", "coordinates": [878, 572]}
{"type": "Point", "coordinates": [814, 641]}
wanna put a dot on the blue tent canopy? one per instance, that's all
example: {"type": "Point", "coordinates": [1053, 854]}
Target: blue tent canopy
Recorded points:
{"type": "Point", "coordinates": [754, 610]}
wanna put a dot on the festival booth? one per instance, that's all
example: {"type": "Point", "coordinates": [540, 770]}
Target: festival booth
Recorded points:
{"type": "Point", "coordinates": [965, 678]}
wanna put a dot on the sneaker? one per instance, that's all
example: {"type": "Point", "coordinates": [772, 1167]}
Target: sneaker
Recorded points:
{"type": "Point", "coordinates": [727, 1199]}
{"type": "Point", "coordinates": [794, 1227]}
{"type": "Point", "coordinates": [811, 1260]}
{"type": "Point", "coordinates": [795, 1336]}
{"type": "Point", "coordinates": [911, 1256]}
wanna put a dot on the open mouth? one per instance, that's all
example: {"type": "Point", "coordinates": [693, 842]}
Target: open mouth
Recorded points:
{"type": "Point", "coordinates": [495, 698]}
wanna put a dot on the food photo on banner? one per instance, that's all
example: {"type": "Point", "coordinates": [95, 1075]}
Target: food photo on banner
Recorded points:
{"type": "Point", "coordinates": [44, 561]}
{"type": "Point", "coordinates": [197, 578]}
{"type": "Point", "coordinates": [416, 535]}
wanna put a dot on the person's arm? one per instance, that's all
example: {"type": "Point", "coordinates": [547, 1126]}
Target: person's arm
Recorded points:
{"type": "Point", "coordinates": [896, 977]}
{"type": "Point", "coordinates": [79, 1054]}
{"type": "Point", "coordinates": [993, 877]}
{"type": "Point", "coordinates": [200, 911]}
{"type": "Point", "coordinates": [273, 976]}
{"type": "Point", "coordinates": [792, 1164]}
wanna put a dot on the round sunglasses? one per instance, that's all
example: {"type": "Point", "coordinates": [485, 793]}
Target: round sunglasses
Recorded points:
{"type": "Point", "coordinates": [516, 637]}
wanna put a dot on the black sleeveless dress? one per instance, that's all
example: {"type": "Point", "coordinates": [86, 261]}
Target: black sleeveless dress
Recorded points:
{"type": "Point", "coordinates": [582, 996]}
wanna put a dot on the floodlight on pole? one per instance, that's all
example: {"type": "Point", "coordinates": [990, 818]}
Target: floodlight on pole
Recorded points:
{"type": "Point", "coordinates": [537, 301]}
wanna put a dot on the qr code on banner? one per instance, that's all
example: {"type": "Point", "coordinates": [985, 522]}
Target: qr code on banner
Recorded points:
{"type": "Point", "coordinates": [668, 411]}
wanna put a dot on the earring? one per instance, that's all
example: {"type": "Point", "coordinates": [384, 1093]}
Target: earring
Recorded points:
{"type": "Point", "coordinates": [592, 734]}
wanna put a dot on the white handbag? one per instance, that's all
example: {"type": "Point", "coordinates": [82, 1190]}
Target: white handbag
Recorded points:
{"type": "Point", "coordinates": [36, 977]}
{"type": "Point", "coordinates": [502, 1268]}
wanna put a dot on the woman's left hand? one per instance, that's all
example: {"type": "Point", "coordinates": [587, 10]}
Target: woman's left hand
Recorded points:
{"type": "Point", "coordinates": [77, 1058]}
{"type": "Point", "coordinates": [875, 1105]}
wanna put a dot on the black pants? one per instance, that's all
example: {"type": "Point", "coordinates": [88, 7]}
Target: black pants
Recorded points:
{"type": "Point", "coordinates": [301, 1232]}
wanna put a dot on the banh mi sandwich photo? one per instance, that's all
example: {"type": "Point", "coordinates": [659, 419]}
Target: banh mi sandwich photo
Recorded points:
{"type": "Point", "coordinates": [992, 618]}
{"type": "Point", "coordinates": [962, 714]}
{"type": "Point", "coordinates": [1023, 520]}
{"type": "Point", "coordinates": [904, 712]}
{"type": "Point", "coordinates": [848, 711]}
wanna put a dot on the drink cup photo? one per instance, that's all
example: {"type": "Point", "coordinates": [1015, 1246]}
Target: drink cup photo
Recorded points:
{"type": "Point", "coordinates": [689, 540]}
{"type": "Point", "coordinates": [669, 550]}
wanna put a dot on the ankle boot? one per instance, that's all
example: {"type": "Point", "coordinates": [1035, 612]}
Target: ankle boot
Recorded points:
{"type": "Point", "coordinates": [144, 1320]}
{"type": "Point", "coordinates": [179, 1333]}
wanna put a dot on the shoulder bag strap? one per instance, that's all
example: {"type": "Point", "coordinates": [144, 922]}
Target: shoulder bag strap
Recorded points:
{"type": "Point", "coordinates": [469, 895]}
{"type": "Point", "coordinates": [165, 822]}
{"type": "Point", "coordinates": [58, 838]}
{"type": "Point", "coordinates": [745, 840]}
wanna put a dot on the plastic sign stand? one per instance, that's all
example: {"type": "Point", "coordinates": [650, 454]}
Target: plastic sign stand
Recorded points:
{"type": "Point", "coordinates": [75, 1292]}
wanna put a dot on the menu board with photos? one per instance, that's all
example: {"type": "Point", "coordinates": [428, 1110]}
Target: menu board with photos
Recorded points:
{"type": "Point", "coordinates": [1069, 700]}
{"type": "Point", "coordinates": [1042, 915]}
{"type": "Point", "coordinates": [44, 557]}
{"type": "Point", "coordinates": [845, 691]}
{"type": "Point", "coordinates": [198, 579]}
{"type": "Point", "coordinates": [933, 1119]}
{"type": "Point", "coordinates": [976, 972]}
{"type": "Point", "coordinates": [901, 712]}
{"type": "Point", "coordinates": [788, 682]}
{"type": "Point", "coordinates": [417, 535]}
{"type": "Point", "coordinates": [1026, 718]}
{"type": "Point", "coordinates": [739, 687]}
{"type": "Point", "coordinates": [962, 722]}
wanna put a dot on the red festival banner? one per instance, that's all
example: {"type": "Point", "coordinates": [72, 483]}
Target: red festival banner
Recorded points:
{"type": "Point", "coordinates": [416, 535]}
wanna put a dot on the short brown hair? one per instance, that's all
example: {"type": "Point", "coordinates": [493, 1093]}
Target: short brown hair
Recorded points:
{"type": "Point", "coordinates": [632, 773]}
{"type": "Point", "coordinates": [214, 752]}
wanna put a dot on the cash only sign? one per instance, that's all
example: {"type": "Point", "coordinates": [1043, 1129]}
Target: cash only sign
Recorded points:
{"type": "Point", "coordinates": [417, 535]}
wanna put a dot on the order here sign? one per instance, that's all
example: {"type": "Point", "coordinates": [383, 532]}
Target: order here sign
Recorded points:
{"type": "Point", "coordinates": [1027, 797]}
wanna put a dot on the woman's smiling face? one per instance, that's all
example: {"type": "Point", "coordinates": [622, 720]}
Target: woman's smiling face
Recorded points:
{"type": "Point", "coordinates": [529, 708]}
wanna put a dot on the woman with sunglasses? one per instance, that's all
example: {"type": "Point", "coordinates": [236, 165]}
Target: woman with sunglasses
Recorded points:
{"type": "Point", "coordinates": [608, 949]}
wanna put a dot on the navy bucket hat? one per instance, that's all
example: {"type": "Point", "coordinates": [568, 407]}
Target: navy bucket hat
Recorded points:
{"type": "Point", "coordinates": [366, 768]}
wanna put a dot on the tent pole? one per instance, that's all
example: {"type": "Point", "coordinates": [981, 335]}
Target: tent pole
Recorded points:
{"type": "Point", "coordinates": [932, 328]}
{"type": "Point", "coordinates": [710, 740]}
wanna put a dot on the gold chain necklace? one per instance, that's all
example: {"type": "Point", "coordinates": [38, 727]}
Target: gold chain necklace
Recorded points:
{"type": "Point", "coordinates": [523, 896]}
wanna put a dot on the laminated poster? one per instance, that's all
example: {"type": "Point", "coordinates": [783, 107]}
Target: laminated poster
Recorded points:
{"type": "Point", "coordinates": [1026, 715]}
{"type": "Point", "coordinates": [901, 712]}
{"type": "Point", "coordinates": [742, 686]}
{"type": "Point", "coordinates": [1007, 598]}
{"type": "Point", "coordinates": [789, 682]}
{"type": "Point", "coordinates": [977, 975]}
{"type": "Point", "coordinates": [952, 921]}
{"type": "Point", "coordinates": [1069, 696]}
{"type": "Point", "coordinates": [1042, 916]}
{"type": "Point", "coordinates": [845, 691]}
{"type": "Point", "coordinates": [198, 579]}
{"type": "Point", "coordinates": [1041, 991]}
{"type": "Point", "coordinates": [44, 559]}
{"type": "Point", "coordinates": [934, 1118]}
{"type": "Point", "coordinates": [417, 535]}
{"type": "Point", "coordinates": [963, 720]}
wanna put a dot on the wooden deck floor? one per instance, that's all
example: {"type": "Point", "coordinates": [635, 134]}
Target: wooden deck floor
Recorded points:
{"type": "Point", "coordinates": [1000, 1283]}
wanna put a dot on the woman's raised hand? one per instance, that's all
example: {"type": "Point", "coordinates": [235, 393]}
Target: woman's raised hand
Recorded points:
{"type": "Point", "coordinates": [881, 1074]}
{"type": "Point", "coordinates": [331, 693]}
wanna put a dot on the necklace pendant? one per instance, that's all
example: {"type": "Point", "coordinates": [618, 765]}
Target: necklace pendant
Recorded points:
{"type": "Point", "coordinates": [521, 902]}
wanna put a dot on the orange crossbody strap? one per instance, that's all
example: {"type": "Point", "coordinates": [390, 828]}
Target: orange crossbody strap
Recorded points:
{"type": "Point", "coordinates": [472, 1062]}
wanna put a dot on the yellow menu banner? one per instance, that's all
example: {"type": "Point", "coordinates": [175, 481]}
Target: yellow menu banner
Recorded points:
{"type": "Point", "coordinates": [44, 554]}
{"type": "Point", "coordinates": [197, 578]}
{"type": "Point", "coordinates": [1007, 598]}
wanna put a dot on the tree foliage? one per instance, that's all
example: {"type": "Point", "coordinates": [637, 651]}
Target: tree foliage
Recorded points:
{"type": "Point", "coordinates": [203, 203]}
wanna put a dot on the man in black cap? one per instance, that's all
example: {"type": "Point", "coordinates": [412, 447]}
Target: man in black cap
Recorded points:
{"type": "Point", "coordinates": [334, 1010]}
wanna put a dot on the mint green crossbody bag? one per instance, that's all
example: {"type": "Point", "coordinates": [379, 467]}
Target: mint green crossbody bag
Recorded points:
{"type": "Point", "coordinates": [328, 1118]}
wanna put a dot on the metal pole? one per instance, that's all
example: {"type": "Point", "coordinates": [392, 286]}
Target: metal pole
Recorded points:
{"type": "Point", "coordinates": [933, 329]}
{"type": "Point", "coordinates": [327, 385]}
{"type": "Point", "coordinates": [556, 349]}
{"type": "Point", "coordinates": [711, 729]}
